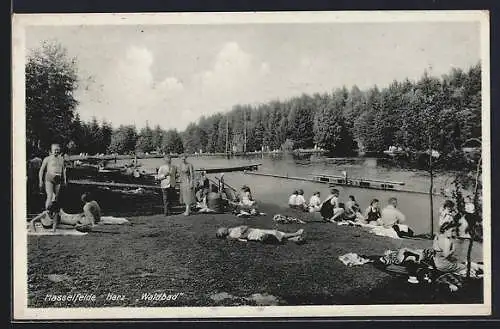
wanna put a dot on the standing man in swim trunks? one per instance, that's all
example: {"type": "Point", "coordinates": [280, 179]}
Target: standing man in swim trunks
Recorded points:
{"type": "Point", "coordinates": [52, 174]}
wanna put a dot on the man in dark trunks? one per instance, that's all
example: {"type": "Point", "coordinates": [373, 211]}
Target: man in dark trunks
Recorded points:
{"type": "Point", "coordinates": [52, 174]}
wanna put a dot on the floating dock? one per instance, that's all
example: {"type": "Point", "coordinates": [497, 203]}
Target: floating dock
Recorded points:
{"type": "Point", "coordinates": [358, 182]}
{"type": "Point", "coordinates": [333, 180]}
{"type": "Point", "coordinates": [251, 167]}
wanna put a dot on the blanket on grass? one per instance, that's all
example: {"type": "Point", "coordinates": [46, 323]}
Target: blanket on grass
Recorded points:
{"type": "Point", "coordinates": [352, 259]}
{"type": "Point", "coordinates": [248, 214]}
{"type": "Point", "coordinates": [286, 219]}
{"type": "Point", "coordinates": [105, 220]}
{"type": "Point", "coordinates": [40, 230]}
{"type": "Point", "coordinates": [404, 230]}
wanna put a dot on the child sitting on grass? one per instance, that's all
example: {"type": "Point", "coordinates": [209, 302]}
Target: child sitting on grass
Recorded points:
{"type": "Point", "coordinates": [372, 213]}
{"type": "Point", "coordinates": [300, 201]}
{"type": "Point", "coordinates": [315, 202]}
{"type": "Point", "coordinates": [292, 200]}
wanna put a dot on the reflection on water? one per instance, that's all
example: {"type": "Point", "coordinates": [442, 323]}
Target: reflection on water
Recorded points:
{"type": "Point", "coordinates": [276, 190]}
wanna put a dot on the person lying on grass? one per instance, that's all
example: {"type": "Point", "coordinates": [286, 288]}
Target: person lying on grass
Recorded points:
{"type": "Point", "coordinates": [245, 233]}
{"type": "Point", "coordinates": [54, 217]}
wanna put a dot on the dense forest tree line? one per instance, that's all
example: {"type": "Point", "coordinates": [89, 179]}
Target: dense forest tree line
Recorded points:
{"type": "Point", "coordinates": [438, 113]}
{"type": "Point", "coordinates": [430, 113]}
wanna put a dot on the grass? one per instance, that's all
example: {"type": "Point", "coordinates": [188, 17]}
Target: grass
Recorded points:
{"type": "Point", "coordinates": [181, 255]}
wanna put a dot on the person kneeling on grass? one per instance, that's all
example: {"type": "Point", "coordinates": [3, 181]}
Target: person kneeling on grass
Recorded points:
{"type": "Point", "coordinates": [245, 233]}
{"type": "Point", "coordinates": [54, 217]}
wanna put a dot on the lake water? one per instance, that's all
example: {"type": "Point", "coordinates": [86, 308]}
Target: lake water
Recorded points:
{"type": "Point", "coordinates": [416, 206]}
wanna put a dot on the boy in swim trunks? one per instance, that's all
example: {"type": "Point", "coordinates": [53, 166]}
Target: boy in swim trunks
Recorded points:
{"type": "Point", "coordinates": [54, 217]}
{"type": "Point", "coordinates": [245, 233]}
{"type": "Point", "coordinates": [53, 174]}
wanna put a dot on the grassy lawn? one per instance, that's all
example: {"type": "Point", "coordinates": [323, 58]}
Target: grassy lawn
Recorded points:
{"type": "Point", "coordinates": [181, 255]}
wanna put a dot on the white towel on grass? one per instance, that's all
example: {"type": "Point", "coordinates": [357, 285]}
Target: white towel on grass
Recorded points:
{"type": "Point", "coordinates": [352, 259]}
{"type": "Point", "coordinates": [110, 220]}
{"type": "Point", "coordinates": [382, 231]}
{"type": "Point", "coordinates": [48, 231]}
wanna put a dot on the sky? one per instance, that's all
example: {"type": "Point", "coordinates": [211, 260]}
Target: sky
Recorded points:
{"type": "Point", "coordinates": [171, 75]}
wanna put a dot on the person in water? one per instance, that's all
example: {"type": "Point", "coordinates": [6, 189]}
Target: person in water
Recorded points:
{"type": "Point", "coordinates": [245, 233]}
{"type": "Point", "coordinates": [55, 217]}
{"type": "Point", "coordinates": [330, 209]}
{"type": "Point", "coordinates": [315, 202]}
{"type": "Point", "coordinates": [52, 174]}
{"type": "Point", "coordinates": [352, 210]}
{"type": "Point", "coordinates": [372, 213]}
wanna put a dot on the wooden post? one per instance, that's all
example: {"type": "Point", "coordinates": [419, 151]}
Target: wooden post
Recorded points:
{"type": "Point", "coordinates": [431, 187]}
{"type": "Point", "coordinates": [472, 231]}
{"type": "Point", "coordinates": [244, 131]}
{"type": "Point", "coordinates": [227, 136]}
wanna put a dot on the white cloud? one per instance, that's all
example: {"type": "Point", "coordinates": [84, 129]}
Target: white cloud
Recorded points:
{"type": "Point", "coordinates": [234, 78]}
{"type": "Point", "coordinates": [130, 95]}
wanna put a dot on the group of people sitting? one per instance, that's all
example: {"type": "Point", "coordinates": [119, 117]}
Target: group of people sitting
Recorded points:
{"type": "Point", "coordinates": [298, 201]}
{"type": "Point", "coordinates": [213, 198]}
{"type": "Point", "coordinates": [333, 210]}
{"type": "Point", "coordinates": [443, 255]}
{"type": "Point", "coordinates": [54, 217]}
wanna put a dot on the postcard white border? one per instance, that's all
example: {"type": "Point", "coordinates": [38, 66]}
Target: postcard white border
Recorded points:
{"type": "Point", "coordinates": [21, 21]}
